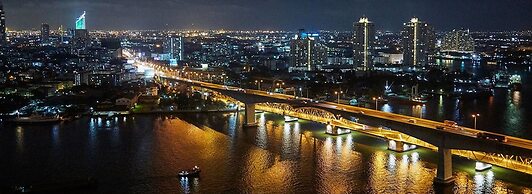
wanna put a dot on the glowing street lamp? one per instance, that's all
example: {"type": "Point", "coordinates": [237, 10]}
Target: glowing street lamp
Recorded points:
{"type": "Point", "coordinates": [376, 102]}
{"type": "Point", "coordinates": [338, 96]}
{"type": "Point", "coordinates": [258, 82]}
{"type": "Point", "coordinates": [475, 117]}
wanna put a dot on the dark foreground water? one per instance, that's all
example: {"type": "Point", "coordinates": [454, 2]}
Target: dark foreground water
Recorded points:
{"type": "Point", "coordinates": [142, 154]}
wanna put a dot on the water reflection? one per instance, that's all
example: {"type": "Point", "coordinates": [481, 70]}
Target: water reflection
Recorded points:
{"type": "Point", "coordinates": [275, 157]}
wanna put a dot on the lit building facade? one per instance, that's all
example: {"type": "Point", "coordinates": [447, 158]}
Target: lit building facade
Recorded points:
{"type": "Point", "coordinates": [81, 34]}
{"type": "Point", "coordinates": [418, 43]}
{"type": "Point", "coordinates": [458, 41]}
{"type": "Point", "coordinates": [80, 22]}
{"type": "Point", "coordinates": [45, 33]}
{"type": "Point", "coordinates": [363, 44]}
{"type": "Point", "coordinates": [306, 52]}
{"type": "Point", "coordinates": [173, 46]}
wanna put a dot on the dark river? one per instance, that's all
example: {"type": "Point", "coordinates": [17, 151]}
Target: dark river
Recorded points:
{"type": "Point", "coordinates": [506, 112]}
{"type": "Point", "coordinates": [143, 153]}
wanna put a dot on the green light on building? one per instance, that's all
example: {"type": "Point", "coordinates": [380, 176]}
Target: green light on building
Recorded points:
{"type": "Point", "coordinates": [80, 22]}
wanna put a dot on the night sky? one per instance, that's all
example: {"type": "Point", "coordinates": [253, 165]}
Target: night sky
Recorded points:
{"type": "Point", "coordinates": [493, 15]}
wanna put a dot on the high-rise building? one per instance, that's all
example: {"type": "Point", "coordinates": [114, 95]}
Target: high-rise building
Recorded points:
{"type": "Point", "coordinates": [173, 46]}
{"type": "Point", "coordinates": [458, 41]}
{"type": "Point", "coordinates": [306, 52]}
{"type": "Point", "coordinates": [45, 33]}
{"type": "Point", "coordinates": [418, 43]}
{"type": "Point", "coordinates": [80, 22]}
{"type": "Point", "coordinates": [3, 35]}
{"type": "Point", "coordinates": [81, 34]}
{"type": "Point", "coordinates": [363, 44]}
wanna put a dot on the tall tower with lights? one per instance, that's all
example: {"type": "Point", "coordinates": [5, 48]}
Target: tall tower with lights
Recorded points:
{"type": "Point", "coordinates": [81, 34]}
{"type": "Point", "coordinates": [363, 44]}
{"type": "Point", "coordinates": [418, 43]}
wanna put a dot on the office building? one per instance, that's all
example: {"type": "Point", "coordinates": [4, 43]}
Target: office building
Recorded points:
{"type": "Point", "coordinates": [81, 34]}
{"type": "Point", "coordinates": [45, 34]}
{"type": "Point", "coordinates": [80, 22]}
{"type": "Point", "coordinates": [363, 44]}
{"type": "Point", "coordinates": [306, 52]}
{"type": "Point", "coordinates": [418, 44]}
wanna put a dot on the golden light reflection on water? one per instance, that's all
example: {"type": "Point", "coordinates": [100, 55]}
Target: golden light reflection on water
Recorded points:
{"type": "Point", "coordinates": [20, 139]}
{"type": "Point", "coordinates": [279, 157]}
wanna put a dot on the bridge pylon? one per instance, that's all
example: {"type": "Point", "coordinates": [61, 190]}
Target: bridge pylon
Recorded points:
{"type": "Point", "coordinates": [249, 115]}
{"type": "Point", "coordinates": [444, 173]}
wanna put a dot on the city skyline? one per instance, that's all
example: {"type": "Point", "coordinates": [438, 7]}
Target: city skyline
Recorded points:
{"type": "Point", "coordinates": [268, 15]}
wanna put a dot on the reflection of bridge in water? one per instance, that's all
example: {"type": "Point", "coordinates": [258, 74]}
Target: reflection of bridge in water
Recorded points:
{"type": "Point", "coordinates": [395, 138]}
{"type": "Point", "coordinates": [515, 154]}
{"type": "Point", "coordinates": [397, 141]}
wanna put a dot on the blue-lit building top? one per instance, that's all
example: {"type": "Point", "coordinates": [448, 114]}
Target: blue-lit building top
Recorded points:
{"type": "Point", "coordinates": [310, 35]}
{"type": "Point", "coordinates": [80, 22]}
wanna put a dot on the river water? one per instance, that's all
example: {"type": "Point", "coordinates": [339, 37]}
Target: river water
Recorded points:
{"type": "Point", "coordinates": [143, 153]}
{"type": "Point", "coordinates": [506, 112]}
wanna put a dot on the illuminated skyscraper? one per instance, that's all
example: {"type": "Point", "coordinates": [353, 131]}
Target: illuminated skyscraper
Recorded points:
{"type": "Point", "coordinates": [363, 44]}
{"type": "Point", "coordinates": [3, 36]}
{"type": "Point", "coordinates": [81, 34]}
{"type": "Point", "coordinates": [306, 52]}
{"type": "Point", "coordinates": [45, 33]}
{"type": "Point", "coordinates": [80, 22]}
{"type": "Point", "coordinates": [173, 46]}
{"type": "Point", "coordinates": [418, 43]}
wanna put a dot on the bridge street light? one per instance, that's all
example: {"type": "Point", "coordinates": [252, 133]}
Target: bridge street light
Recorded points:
{"type": "Point", "coordinates": [376, 102]}
{"type": "Point", "coordinates": [338, 96]}
{"type": "Point", "coordinates": [475, 117]}
{"type": "Point", "coordinates": [258, 83]}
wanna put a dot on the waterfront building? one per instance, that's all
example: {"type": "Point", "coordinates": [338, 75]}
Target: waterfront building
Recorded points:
{"type": "Point", "coordinates": [363, 44]}
{"type": "Point", "coordinates": [306, 52]}
{"type": "Point", "coordinates": [418, 43]}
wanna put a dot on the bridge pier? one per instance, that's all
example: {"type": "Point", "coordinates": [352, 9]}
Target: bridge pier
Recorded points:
{"type": "Point", "coordinates": [444, 173]}
{"type": "Point", "coordinates": [249, 115]}
{"type": "Point", "coordinates": [400, 146]}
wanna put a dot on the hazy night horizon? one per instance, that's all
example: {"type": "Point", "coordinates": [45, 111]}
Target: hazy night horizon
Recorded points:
{"type": "Point", "coordinates": [268, 15]}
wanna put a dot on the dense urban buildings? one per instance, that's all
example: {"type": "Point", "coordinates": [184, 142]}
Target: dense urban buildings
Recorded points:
{"type": "Point", "coordinates": [458, 41]}
{"type": "Point", "coordinates": [307, 53]}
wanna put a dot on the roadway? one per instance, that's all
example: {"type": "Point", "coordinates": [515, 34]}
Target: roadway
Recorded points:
{"type": "Point", "coordinates": [413, 121]}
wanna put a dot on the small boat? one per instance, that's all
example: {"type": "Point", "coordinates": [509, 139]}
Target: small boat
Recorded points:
{"type": "Point", "coordinates": [194, 172]}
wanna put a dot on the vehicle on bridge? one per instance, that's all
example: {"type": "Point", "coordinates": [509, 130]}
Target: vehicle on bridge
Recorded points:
{"type": "Point", "coordinates": [491, 136]}
{"type": "Point", "coordinates": [449, 125]}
